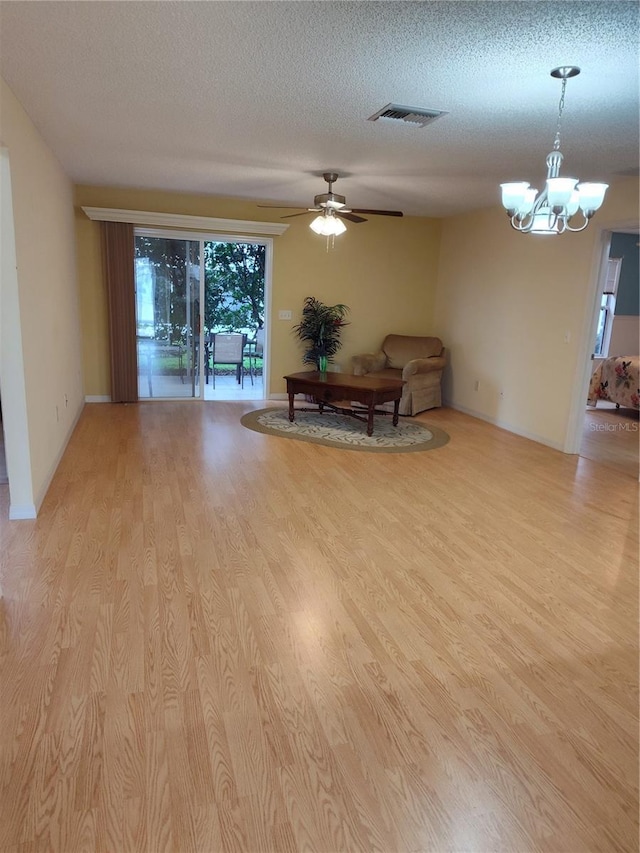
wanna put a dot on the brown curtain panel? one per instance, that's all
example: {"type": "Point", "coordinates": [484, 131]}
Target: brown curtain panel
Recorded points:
{"type": "Point", "coordinates": [117, 239]}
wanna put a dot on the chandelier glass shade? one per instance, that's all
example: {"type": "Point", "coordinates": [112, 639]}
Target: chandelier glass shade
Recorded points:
{"type": "Point", "coordinates": [328, 224]}
{"type": "Point", "coordinates": [551, 211]}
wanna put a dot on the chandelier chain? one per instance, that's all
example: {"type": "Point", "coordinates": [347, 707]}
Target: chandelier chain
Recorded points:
{"type": "Point", "coordinates": [556, 142]}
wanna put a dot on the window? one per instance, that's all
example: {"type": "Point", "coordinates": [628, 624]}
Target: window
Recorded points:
{"type": "Point", "coordinates": [607, 307]}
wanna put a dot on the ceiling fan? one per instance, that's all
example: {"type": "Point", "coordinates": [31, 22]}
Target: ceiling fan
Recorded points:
{"type": "Point", "coordinates": [332, 208]}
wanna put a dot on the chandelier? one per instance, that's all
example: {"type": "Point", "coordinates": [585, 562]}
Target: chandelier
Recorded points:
{"type": "Point", "coordinates": [551, 211]}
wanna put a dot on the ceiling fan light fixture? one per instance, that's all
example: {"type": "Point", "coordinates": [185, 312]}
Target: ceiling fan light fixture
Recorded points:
{"type": "Point", "coordinates": [550, 212]}
{"type": "Point", "coordinates": [328, 225]}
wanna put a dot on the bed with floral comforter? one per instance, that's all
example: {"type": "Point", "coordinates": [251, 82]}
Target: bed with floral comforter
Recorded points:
{"type": "Point", "coordinates": [616, 379]}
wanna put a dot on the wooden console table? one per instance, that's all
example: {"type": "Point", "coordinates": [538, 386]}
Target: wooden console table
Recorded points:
{"type": "Point", "coordinates": [331, 388]}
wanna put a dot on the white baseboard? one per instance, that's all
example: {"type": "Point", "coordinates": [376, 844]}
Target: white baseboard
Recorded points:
{"type": "Point", "coordinates": [98, 398]}
{"type": "Point", "coordinates": [504, 425]}
{"type": "Point", "coordinates": [47, 482]}
{"type": "Point", "coordinates": [21, 512]}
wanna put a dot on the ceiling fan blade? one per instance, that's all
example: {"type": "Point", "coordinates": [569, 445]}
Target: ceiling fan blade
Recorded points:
{"type": "Point", "coordinates": [280, 206]}
{"type": "Point", "coordinates": [349, 216]}
{"type": "Point", "coordinates": [378, 212]}
{"type": "Point", "coordinates": [304, 213]}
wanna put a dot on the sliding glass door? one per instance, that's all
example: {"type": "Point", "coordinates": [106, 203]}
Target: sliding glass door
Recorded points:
{"type": "Point", "coordinates": [167, 280]}
{"type": "Point", "coordinates": [188, 288]}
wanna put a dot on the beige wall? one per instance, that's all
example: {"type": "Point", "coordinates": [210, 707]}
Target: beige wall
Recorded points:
{"type": "Point", "coordinates": [44, 323]}
{"type": "Point", "coordinates": [385, 270]}
{"type": "Point", "coordinates": [506, 303]}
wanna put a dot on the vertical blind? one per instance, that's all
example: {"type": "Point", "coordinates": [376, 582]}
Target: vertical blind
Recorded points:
{"type": "Point", "coordinates": [117, 240]}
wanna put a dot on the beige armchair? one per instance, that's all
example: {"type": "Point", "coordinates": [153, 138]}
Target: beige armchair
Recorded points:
{"type": "Point", "coordinates": [419, 361]}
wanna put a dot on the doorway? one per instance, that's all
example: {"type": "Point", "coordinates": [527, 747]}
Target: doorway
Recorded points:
{"type": "Point", "coordinates": [190, 288]}
{"type": "Point", "coordinates": [234, 304]}
{"type": "Point", "coordinates": [609, 429]}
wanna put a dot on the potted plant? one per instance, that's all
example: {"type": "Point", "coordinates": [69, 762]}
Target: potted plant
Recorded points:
{"type": "Point", "coordinates": [319, 330]}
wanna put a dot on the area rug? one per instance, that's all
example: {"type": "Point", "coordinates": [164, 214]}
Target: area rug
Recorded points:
{"type": "Point", "coordinates": [336, 430]}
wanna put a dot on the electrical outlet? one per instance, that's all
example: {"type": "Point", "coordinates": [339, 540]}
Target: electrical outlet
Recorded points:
{"type": "Point", "coordinates": [284, 315]}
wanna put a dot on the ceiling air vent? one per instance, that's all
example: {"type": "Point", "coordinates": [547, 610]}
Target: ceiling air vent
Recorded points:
{"type": "Point", "coordinates": [412, 115]}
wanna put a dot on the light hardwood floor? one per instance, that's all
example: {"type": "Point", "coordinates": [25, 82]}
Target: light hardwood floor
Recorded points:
{"type": "Point", "coordinates": [611, 436]}
{"type": "Point", "coordinates": [217, 640]}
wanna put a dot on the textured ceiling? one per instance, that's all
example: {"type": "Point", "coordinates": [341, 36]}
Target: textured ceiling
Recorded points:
{"type": "Point", "coordinates": [257, 99]}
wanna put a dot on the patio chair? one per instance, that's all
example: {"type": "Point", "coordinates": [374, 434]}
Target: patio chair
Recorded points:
{"type": "Point", "coordinates": [256, 351]}
{"type": "Point", "coordinates": [227, 349]}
